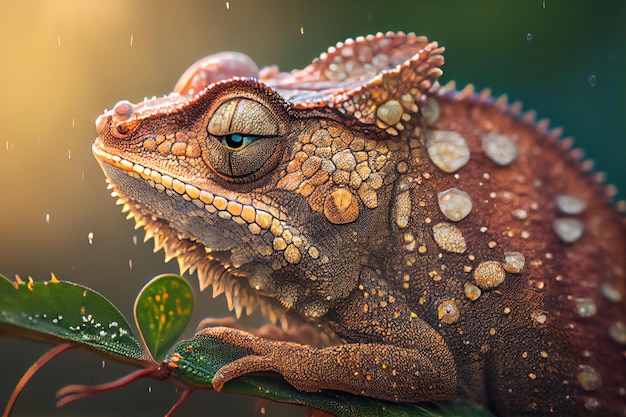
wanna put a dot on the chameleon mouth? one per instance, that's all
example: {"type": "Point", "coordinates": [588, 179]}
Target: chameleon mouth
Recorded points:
{"type": "Point", "coordinates": [256, 216]}
{"type": "Point", "coordinates": [213, 267]}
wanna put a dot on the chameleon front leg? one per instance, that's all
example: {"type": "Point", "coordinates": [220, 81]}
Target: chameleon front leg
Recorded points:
{"type": "Point", "coordinates": [298, 331]}
{"type": "Point", "coordinates": [370, 369]}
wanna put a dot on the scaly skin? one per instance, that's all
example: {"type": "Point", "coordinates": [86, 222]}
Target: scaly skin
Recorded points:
{"type": "Point", "coordinates": [457, 249]}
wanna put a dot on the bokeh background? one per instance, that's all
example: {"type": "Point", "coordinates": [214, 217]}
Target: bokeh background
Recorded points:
{"type": "Point", "coordinates": [63, 62]}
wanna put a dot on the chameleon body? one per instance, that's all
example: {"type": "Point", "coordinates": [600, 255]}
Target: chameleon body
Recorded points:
{"type": "Point", "coordinates": [452, 245]}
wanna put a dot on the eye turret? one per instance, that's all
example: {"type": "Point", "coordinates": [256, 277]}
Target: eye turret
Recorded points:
{"type": "Point", "coordinates": [243, 139]}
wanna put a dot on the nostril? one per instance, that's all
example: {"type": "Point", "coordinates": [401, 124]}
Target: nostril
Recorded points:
{"type": "Point", "coordinates": [123, 129]}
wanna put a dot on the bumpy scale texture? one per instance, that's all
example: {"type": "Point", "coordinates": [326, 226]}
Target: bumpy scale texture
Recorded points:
{"type": "Point", "coordinates": [452, 247]}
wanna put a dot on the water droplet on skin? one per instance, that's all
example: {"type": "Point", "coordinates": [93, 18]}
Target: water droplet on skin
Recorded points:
{"type": "Point", "coordinates": [618, 332]}
{"type": "Point", "coordinates": [447, 150]}
{"type": "Point", "coordinates": [448, 312]}
{"type": "Point", "coordinates": [568, 230]}
{"type": "Point", "coordinates": [585, 307]}
{"type": "Point", "coordinates": [454, 204]}
{"type": "Point", "coordinates": [500, 149]}
{"type": "Point", "coordinates": [611, 293]}
{"type": "Point", "coordinates": [489, 274]}
{"type": "Point", "coordinates": [519, 214]}
{"type": "Point", "coordinates": [539, 317]}
{"type": "Point", "coordinates": [449, 238]}
{"type": "Point", "coordinates": [472, 291]}
{"type": "Point", "coordinates": [568, 204]}
{"type": "Point", "coordinates": [592, 80]}
{"type": "Point", "coordinates": [588, 378]}
{"type": "Point", "coordinates": [592, 404]}
{"type": "Point", "coordinates": [514, 262]}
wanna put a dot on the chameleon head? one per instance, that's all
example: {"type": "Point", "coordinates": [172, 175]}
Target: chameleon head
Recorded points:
{"type": "Point", "coordinates": [258, 185]}
{"type": "Point", "coordinates": [201, 176]}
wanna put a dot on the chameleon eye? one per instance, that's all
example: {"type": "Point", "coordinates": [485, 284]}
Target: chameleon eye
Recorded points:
{"type": "Point", "coordinates": [243, 140]}
{"type": "Point", "coordinates": [237, 142]}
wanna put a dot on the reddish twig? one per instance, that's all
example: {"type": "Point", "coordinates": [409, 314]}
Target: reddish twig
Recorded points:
{"type": "Point", "coordinates": [76, 391]}
{"type": "Point", "coordinates": [45, 358]}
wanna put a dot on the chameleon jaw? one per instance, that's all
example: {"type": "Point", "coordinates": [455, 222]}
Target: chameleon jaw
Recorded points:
{"type": "Point", "coordinates": [254, 215]}
{"type": "Point", "coordinates": [213, 267]}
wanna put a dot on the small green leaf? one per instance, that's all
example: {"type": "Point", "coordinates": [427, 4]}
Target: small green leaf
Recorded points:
{"type": "Point", "coordinates": [59, 312]}
{"type": "Point", "coordinates": [162, 311]}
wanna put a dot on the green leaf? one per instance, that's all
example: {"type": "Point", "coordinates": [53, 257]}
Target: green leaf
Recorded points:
{"type": "Point", "coordinates": [58, 312]}
{"type": "Point", "coordinates": [194, 362]}
{"type": "Point", "coordinates": [162, 311]}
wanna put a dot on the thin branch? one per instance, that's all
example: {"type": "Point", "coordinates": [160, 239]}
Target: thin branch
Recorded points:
{"type": "Point", "coordinates": [45, 358]}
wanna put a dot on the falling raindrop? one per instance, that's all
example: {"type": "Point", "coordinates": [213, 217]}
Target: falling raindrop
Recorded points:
{"type": "Point", "coordinates": [529, 36]}
{"type": "Point", "coordinates": [227, 5]}
{"type": "Point", "coordinates": [90, 238]}
{"type": "Point", "coordinates": [48, 218]}
{"type": "Point", "coordinates": [130, 263]}
{"type": "Point", "coordinates": [132, 39]}
{"type": "Point", "coordinates": [592, 80]}
{"type": "Point", "coordinates": [612, 55]}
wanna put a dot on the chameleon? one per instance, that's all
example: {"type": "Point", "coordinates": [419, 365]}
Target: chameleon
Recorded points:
{"type": "Point", "coordinates": [435, 243]}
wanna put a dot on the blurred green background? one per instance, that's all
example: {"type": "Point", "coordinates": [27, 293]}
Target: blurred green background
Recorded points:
{"type": "Point", "coordinates": [63, 62]}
